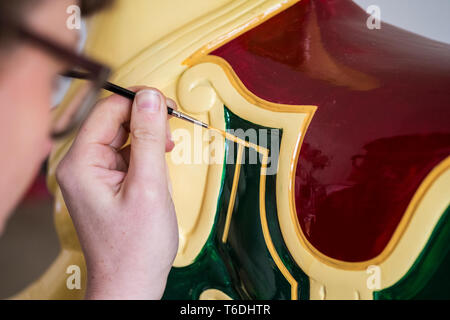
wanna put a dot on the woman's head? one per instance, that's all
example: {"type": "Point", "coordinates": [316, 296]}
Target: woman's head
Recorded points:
{"type": "Point", "coordinates": [27, 77]}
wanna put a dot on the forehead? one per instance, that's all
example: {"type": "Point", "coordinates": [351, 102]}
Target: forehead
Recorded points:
{"type": "Point", "coordinates": [50, 18]}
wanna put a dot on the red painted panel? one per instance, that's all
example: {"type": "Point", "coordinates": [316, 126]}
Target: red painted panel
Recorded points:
{"type": "Point", "coordinates": [382, 122]}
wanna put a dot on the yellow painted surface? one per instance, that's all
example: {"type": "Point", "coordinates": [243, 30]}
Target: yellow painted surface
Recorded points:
{"type": "Point", "coordinates": [214, 294]}
{"type": "Point", "coordinates": [216, 74]}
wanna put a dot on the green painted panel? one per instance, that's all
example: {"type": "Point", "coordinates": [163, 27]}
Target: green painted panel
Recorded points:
{"type": "Point", "coordinates": [429, 277]}
{"type": "Point", "coordinates": [243, 267]}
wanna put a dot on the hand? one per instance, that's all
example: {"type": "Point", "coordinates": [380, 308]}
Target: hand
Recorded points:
{"type": "Point", "coordinates": [119, 199]}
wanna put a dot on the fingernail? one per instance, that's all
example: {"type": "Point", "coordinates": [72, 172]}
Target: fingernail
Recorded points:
{"type": "Point", "coordinates": [171, 103]}
{"type": "Point", "coordinates": [148, 100]}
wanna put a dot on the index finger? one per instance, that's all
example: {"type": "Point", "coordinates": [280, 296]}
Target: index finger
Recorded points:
{"type": "Point", "coordinates": [106, 118]}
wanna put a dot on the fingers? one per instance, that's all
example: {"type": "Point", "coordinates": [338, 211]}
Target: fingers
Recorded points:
{"type": "Point", "coordinates": [171, 104]}
{"type": "Point", "coordinates": [121, 138]}
{"type": "Point", "coordinates": [124, 130]}
{"type": "Point", "coordinates": [105, 121]}
{"type": "Point", "coordinates": [148, 139]}
{"type": "Point", "coordinates": [125, 153]}
{"type": "Point", "coordinates": [169, 143]}
{"type": "Point", "coordinates": [104, 124]}
{"type": "Point", "coordinates": [109, 126]}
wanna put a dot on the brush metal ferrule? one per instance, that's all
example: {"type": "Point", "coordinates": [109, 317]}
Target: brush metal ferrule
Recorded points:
{"type": "Point", "coordinates": [188, 118]}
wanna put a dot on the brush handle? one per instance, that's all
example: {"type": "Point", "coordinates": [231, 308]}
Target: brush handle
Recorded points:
{"type": "Point", "coordinates": [121, 91]}
{"type": "Point", "coordinates": [125, 93]}
{"type": "Point", "coordinates": [108, 86]}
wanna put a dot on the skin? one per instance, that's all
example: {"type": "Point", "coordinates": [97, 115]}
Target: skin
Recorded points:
{"type": "Point", "coordinates": [119, 199]}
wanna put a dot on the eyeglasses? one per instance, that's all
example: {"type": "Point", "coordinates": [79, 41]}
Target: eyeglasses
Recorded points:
{"type": "Point", "coordinates": [90, 78]}
{"type": "Point", "coordinates": [67, 118]}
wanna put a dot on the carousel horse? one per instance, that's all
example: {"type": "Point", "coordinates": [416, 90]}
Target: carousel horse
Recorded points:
{"type": "Point", "coordinates": [355, 120]}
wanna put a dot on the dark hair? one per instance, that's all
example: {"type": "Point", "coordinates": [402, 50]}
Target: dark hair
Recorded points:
{"type": "Point", "coordinates": [89, 7]}
{"type": "Point", "coordinates": [16, 9]}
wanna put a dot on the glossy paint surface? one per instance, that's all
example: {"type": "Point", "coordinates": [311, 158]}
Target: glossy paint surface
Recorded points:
{"type": "Point", "coordinates": [382, 124]}
{"type": "Point", "coordinates": [242, 267]}
{"type": "Point", "coordinates": [429, 276]}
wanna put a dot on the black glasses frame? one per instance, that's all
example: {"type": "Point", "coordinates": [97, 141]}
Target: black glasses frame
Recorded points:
{"type": "Point", "coordinates": [96, 72]}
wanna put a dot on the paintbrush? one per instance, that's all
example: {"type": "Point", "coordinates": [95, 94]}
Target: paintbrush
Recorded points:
{"type": "Point", "coordinates": [131, 95]}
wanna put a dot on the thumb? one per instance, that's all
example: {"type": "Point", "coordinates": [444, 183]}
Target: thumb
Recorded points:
{"type": "Point", "coordinates": [148, 138]}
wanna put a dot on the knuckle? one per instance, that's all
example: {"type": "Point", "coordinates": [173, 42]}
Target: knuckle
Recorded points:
{"type": "Point", "coordinates": [149, 192]}
{"type": "Point", "coordinates": [145, 135]}
{"type": "Point", "coordinates": [152, 195]}
{"type": "Point", "coordinates": [65, 170]}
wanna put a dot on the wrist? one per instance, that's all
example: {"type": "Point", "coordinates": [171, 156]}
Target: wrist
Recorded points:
{"type": "Point", "coordinates": [125, 285]}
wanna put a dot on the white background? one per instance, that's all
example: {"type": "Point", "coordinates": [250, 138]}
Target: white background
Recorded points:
{"type": "Point", "coordinates": [429, 18]}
